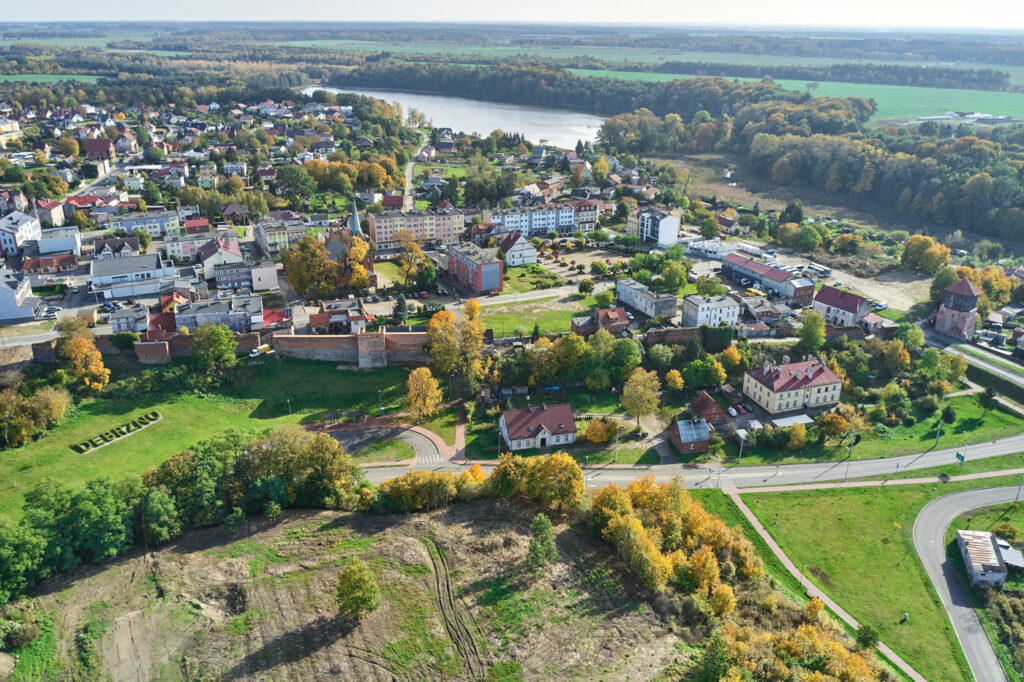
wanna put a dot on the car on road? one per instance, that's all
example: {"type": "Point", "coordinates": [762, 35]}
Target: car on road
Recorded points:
{"type": "Point", "coordinates": [747, 407]}
{"type": "Point", "coordinates": [53, 308]}
{"type": "Point", "coordinates": [739, 409]}
{"type": "Point", "coordinates": [494, 293]}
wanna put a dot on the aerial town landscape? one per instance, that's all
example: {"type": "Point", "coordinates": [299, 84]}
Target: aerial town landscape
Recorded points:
{"type": "Point", "coordinates": [385, 350]}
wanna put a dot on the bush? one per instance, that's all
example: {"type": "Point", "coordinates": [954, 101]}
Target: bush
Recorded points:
{"type": "Point", "coordinates": [124, 341]}
{"type": "Point", "coordinates": [909, 421]}
{"type": "Point", "coordinates": [930, 403]}
{"type": "Point", "coordinates": [21, 636]}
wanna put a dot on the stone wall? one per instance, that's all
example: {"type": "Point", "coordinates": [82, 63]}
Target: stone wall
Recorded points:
{"type": "Point", "coordinates": [366, 350]}
{"type": "Point", "coordinates": [372, 350]}
{"type": "Point", "coordinates": [330, 347]}
{"type": "Point", "coordinates": [671, 336]}
{"type": "Point", "coordinates": [406, 348]}
{"type": "Point", "coordinates": [153, 352]}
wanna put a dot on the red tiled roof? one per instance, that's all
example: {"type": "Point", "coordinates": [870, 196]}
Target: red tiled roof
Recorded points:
{"type": "Point", "coordinates": [393, 201]}
{"type": "Point", "coordinates": [273, 316]}
{"type": "Point", "coordinates": [526, 423]}
{"type": "Point", "coordinates": [704, 406]}
{"type": "Point", "coordinates": [214, 245]}
{"type": "Point", "coordinates": [197, 222]}
{"type": "Point", "coordinates": [47, 204]}
{"type": "Point", "coordinates": [762, 270]}
{"type": "Point", "coordinates": [611, 316]}
{"type": "Point", "coordinates": [56, 260]}
{"type": "Point", "coordinates": [964, 287]}
{"type": "Point", "coordinates": [784, 377]}
{"type": "Point", "coordinates": [837, 298]}
{"type": "Point", "coordinates": [509, 241]}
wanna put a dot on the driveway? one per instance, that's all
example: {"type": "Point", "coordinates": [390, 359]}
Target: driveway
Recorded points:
{"type": "Point", "coordinates": [930, 543]}
{"type": "Point", "coordinates": [426, 450]}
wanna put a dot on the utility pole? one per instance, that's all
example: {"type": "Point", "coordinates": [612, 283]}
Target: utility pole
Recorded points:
{"type": "Point", "coordinates": [616, 446]}
{"type": "Point", "coordinates": [938, 432]}
{"type": "Point", "coordinates": [1019, 486]}
{"type": "Point", "coordinates": [743, 442]}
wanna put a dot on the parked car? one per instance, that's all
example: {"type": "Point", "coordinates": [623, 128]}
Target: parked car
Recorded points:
{"type": "Point", "coordinates": [837, 283]}
{"type": "Point", "coordinates": [423, 294]}
{"type": "Point", "coordinates": [732, 412]}
{"type": "Point", "coordinates": [739, 409]}
{"type": "Point", "coordinates": [629, 316]}
{"type": "Point", "coordinates": [390, 297]}
{"type": "Point", "coordinates": [881, 305]}
{"type": "Point", "coordinates": [748, 407]}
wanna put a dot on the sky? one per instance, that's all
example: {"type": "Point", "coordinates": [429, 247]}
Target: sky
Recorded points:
{"type": "Point", "coordinates": [957, 14]}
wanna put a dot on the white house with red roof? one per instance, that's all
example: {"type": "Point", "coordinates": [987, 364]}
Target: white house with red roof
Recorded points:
{"type": "Point", "coordinates": [840, 307]}
{"type": "Point", "coordinates": [219, 251]}
{"type": "Point", "coordinates": [517, 250]}
{"type": "Point", "coordinates": [808, 384]}
{"type": "Point", "coordinates": [49, 212]}
{"type": "Point", "coordinates": [538, 428]}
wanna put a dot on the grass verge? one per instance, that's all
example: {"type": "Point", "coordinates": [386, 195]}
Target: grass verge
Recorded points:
{"type": "Point", "coordinates": [385, 450]}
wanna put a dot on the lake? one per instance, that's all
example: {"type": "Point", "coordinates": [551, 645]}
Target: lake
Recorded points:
{"type": "Point", "coordinates": [557, 127]}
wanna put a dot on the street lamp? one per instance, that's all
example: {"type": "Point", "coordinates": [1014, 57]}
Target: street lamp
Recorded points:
{"type": "Point", "coordinates": [289, 406]}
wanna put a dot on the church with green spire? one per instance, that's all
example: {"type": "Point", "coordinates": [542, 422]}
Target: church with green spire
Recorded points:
{"type": "Point", "coordinates": [353, 222]}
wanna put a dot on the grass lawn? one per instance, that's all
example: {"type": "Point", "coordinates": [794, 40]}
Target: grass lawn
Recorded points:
{"type": "Point", "coordinates": [530, 278]}
{"type": "Point", "coordinates": [385, 450]}
{"type": "Point", "coordinates": [582, 400]}
{"type": "Point", "coordinates": [421, 204]}
{"type": "Point", "coordinates": [387, 270]}
{"type": "Point", "coordinates": [27, 329]}
{"type": "Point", "coordinates": [552, 315]}
{"type": "Point", "coordinates": [442, 423]}
{"type": "Point", "coordinates": [969, 427]}
{"type": "Point", "coordinates": [857, 545]}
{"type": "Point", "coordinates": [258, 400]}
{"type": "Point", "coordinates": [47, 77]}
{"type": "Point", "coordinates": [449, 170]}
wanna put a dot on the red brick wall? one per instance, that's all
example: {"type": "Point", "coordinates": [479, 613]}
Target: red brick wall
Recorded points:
{"type": "Point", "coordinates": [671, 336]}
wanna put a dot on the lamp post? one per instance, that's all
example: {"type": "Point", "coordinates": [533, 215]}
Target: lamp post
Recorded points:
{"type": "Point", "coordinates": [938, 432]}
{"type": "Point", "coordinates": [1019, 486]}
{"type": "Point", "coordinates": [289, 406]}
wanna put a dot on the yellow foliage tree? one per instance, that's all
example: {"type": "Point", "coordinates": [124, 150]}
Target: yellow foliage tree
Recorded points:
{"type": "Point", "coordinates": [703, 566]}
{"type": "Point", "coordinates": [797, 437]}
{"type": "Point", "coordinates": [674, 380]}
{"type": "Point", "coordinates": [424, 394]}
{"type": "Point", "coordinates": [813, 609]}
{"type": "Point", "coordinates": [640, 394]}
{"type": "Point", "coordinates": [600, 431]}
{"type": "Point", "coordinates": [723, 601]}
{"type": "Point", "coordinates": [86, 363]}
{"type": "Point", "coordinates": [609, 502]}
{"type": "Point", "coordinates": [731, 357]}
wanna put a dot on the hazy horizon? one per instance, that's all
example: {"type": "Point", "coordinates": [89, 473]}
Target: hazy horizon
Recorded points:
{"type": "Point", "coordinates": [946, 15]}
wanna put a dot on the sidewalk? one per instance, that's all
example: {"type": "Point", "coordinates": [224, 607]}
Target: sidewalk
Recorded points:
{"type": "Point", "coordinates": [884, 482]}
{"type": "Point", "coordinates": [812, 590]}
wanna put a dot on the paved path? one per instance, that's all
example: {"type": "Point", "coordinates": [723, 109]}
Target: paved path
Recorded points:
{"type": "Point", "coordinates": [946, 345]}
{"type": "Point", "coordinates": [813, 591]}
{"type": "Point", "coordinates": [930, 542]}
{"type": "Point", "coordinates": [354, 438]}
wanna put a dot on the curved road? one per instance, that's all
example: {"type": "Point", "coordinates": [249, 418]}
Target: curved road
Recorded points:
{"type": "Point", "coordinates": [930, 543]}
{"type": "Point", "coordinates": [426, 451]}
{"type": "Point", "coordinates": [786, 474]}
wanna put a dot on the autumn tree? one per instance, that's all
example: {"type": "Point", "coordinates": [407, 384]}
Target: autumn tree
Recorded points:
{"type": "Point", "coordinates": [555, 481]}
{"type": "Point", "coordinates": [834, 425]}
{"type": "Point", "coordinates": [674, 380]}
{"type": "Point", "coordinates": [723, 601]}
{"type": "Point", "coordinates": [410, 257]}
{"type": "Point", "coordinates": [357, 592]}
{"type": "Point", "coordinates": [84, 364]}
{"type": "Point", "coordinates": [797, 437]}
{"type": "Point", "coordinates": [443, 341]}
{"type": "Point", "coordinates": [640, 393]}
{"type": "Point", "coordinates": [423, 392]}
{"type": "Point", "coordinates": [586, 286]}
{"type": "Point", "coordinates": [703, 569]}
{"type": "Point", "coordinates": [308, 267]}
{"type": "Point", "coordinates": [68, 146]}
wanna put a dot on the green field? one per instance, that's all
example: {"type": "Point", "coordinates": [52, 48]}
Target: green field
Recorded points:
{"type": "Point", "coordinates": [47, 77]}
{"type": "Point", "coordinates": [385, 450]}
{"type": "Point", "coordinates": [83, 40]}
{"type": "Point", "coordinates": [846, 538]}
{"type": "Point", "coordinates": [508, 318]}
{"type": "Point", "coordinates": [526, 278]}
{"type": "Point", "coordinates": [894, 101]}
{"type": "Point", "coordinates": [257, 401]}
{"type": "Point", "coordinates": [969, 427]}
{"type": "Point", "coordinates": [450, 170]}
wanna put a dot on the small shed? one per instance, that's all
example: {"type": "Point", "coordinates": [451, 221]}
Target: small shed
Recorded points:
{"type": "Point", "coordinates": [330, 418]}
{"type": "Point", "coordinates": [356, 415]}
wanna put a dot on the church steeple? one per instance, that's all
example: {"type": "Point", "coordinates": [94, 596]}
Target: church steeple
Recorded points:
{"type": "Point", "coordinates": [353, 222]}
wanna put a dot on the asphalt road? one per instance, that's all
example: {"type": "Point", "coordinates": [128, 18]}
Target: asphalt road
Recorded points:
{"type": "Point", "coordinates": [426, 452]}
{"type": "Point", "coordinates": [930, 542]}
{"type": "Point", "coordinates": [945, 345]}
{"type": "Point", "coordinates": [786, 474]}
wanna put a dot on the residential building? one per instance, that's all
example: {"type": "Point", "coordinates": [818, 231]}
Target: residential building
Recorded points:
{"type": "Point", "coordinates": [585, 214]}
{"type": "Point", "coordinates": [710, 310]}
{"type": "Point", "coordinates": [236, 168]}
{"type": "Point", "coordinates": [790, 288]}
{"type": "Point", "coordinates": [958, 315]}
{"type": "Point", "coordinates": [60, 239]}
{"type": "Point", "coordinates": [219, 251]}
{"type": "Point", "coordinates": [49, 212]}
{"type": "Point", "coordinates": [240, 314]}
{"type": "Point", "coordinates": [185, 247]}
{"type": "Point", "coordinates": [16, 301]}
{"type": "Point", "coordinates": [532, 221]}
{"type": "Point", "coordinates": [654, 226]}
{"type": "Point", "coordinates": [17, 228]}
{"type": "Point", "coordinates": [441, 226]}
{"type": "Point", "coordinates": [131, 276]}
{"type": "Point", "coordinates": [157, 223]}
{"type": "Point", "coordinates": [642, 299]}
{"type": "Point", "coordinates": [538, 428]}
{"type": "Point", "coordinates": [12, 200]}
{"type": "Point", "coordinates": [517, 250]}
{"type": "Point", "coordinates": [982, 560]}
{"type": "Point", "coordinates": [716, 249]}
{"type": "Point", "coordinates": [793, 385]}
{"type": "Point", "coordinates": [838, 307]}
{"type": "Point", "coordinates": [342, 316]}
{"type": "Point", "coordinates": [126, 144]}
{"type": "Point", "coordinates": [9, 130]}
{"type": "Point", "coordinates": [116, 248]}
{"type": "Point", "coordinates": [612, 319]}
{"type": "Point", "coordinates": [707, 408]}
{"type": "Point", "coordinates": [258, 276]}
{"type": "Point", "coordinates": [131, 319]}
{"type": "Point", "coordinates": [99, 149]}
{"type": "Point", "coordinates": [271, 236]}
{"type": "Point", "coordinates": [57, 262]}
{"type": "Point", "coordinates": [478, 270]}
{"type": "Point", "coordinates": [690, 436]}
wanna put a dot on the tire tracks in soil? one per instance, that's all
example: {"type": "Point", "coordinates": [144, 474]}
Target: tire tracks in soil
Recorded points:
{"type": "Point", "coordinates": [448, 607]}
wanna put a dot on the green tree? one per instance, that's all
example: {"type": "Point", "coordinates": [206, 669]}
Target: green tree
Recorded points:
{"type": "Point", "coordinates": [401, 310]}
{"type": "Point", "coordinates": [715, 663]}
{"type": "Point", "coordinates": [640, 394]}
{"type": "Point", "coordinates": [867, 636]}
{"type": "Point", "coordinates": [987, 399]}
{"type": "Point", "coordinates": [709, 228]}
{"type": "Point", "coordinates": [235, 521]}
{"type": "Point", "coordinates": [213, 348]}
{"type": "Point", "coordinates": [357, 592]}
{"type": "Point", "coordinates": [144, 238]}
{"type": "Point", "coordinates": [586, 286]}
{"type": "Point", "coordinates": [295, 182]}
{"type": "Point", "coordinates": [21, 553]}
{"type": "Point", "coordinates": [948, 414]}
{"type": "Point", "coordinates": [660, 357]}
{"type": "Point", "coordinates": [604, 299]}
{"type": "Point", "coordinates": [159, 517]}
{"type": "Point", "coordinates": [943, 278]}
{"type": "Point", "coordinates": [625, 356]}
{"type": "Point", "coordinates": [710, 286]}
{"type": "Point", "coordinates": [812, 333]}
{"type": "Point", "coordinates": [911, 336]}
{"type": "Point", "coordinates": [542, 549]}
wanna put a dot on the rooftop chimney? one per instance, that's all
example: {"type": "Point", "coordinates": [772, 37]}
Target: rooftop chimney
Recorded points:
{"type": "Point", "coordinates": [767, 366]}
{"type": "Point", "coordinates": [798, 373]}
{"type": "Point", "coordinates": [810, 371]}
{"type": "Point", "coordinates": [785, 359]}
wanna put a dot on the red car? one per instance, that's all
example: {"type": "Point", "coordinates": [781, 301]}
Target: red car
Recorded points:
{"type": "Point", "coordinates": [423, 294]}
